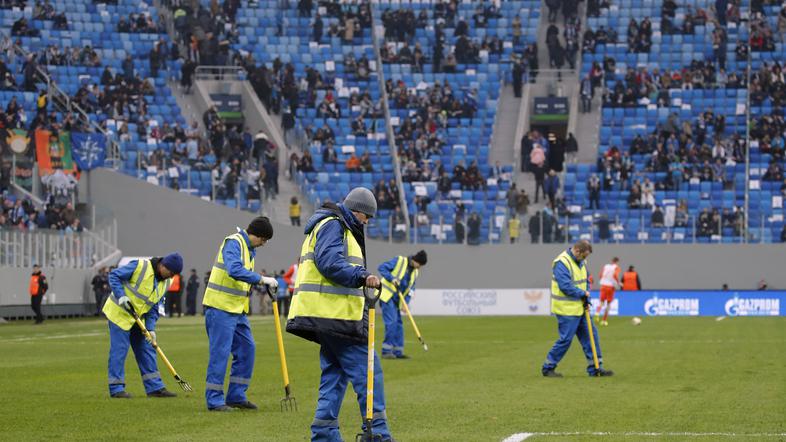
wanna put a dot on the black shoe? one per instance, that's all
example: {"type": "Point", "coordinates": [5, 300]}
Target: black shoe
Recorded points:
{"type": "Point", "coordinates": [246, 405]}
{"type": "Point", "coordinates": [161, 393]}
{"type": "Point", "coordinates": [402, 356]}
{"type": "Point", "coordinates": [121, 395]}
{"type": "Point", "coordinates": [551, 374]}
{"type": "Point", "coordinates": [221, 408]}
{"type": "Point", "coordinates": [602, 372]}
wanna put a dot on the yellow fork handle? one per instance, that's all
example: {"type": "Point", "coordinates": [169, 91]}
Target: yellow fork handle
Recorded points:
{"type": "Point", "coordinates": [592, 337]}
{"type": "Point", "coordinates": [280, 339]}
{"type": "Point", "coordinates": [370, 368]}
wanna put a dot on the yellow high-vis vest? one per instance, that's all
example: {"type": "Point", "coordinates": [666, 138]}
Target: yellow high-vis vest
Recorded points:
{"type": "Point", "coordinates": [319, 304]}
{"type": "Point", "coordinates": [140, 291]}
{"type": "Point", "coordinates": [224, 292]}
{"type": "Point", "coordinates": [389, 289]}
{"type": "Point", "coordinates": [561, 304]}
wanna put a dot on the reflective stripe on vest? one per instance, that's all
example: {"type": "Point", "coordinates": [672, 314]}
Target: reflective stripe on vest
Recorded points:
{"type": "Point", "coordinates": [399, 270]}
{"type": "Point", "coordinates": [317, 296]}
{"type": "Point", "coordinates": [142, 291]}
{"type": "Point", "coordinates": [561, 304]}
{"type": "Point", "coordinates": [224, 292]}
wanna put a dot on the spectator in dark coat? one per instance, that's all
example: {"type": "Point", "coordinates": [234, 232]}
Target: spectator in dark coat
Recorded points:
{"type": "Point", "coordinates": [534, 227]}
{"type": "Point", "coordinates": [191, 293]}
{"type": "Point", "coordinates": [473, 225]}
{"type": "Point", "coordinates": [100, 285]}
{"type": "Point", "coordinates": [552, 186]}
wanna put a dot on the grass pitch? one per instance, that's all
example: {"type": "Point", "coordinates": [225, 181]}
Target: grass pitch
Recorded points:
{"type": "Point", "coordinates": [479, 381]}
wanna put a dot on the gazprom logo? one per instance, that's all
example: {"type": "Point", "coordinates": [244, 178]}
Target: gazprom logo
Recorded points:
{"type": "Point", "coordinates": [656, 306]}
{"type": "Point", "coordinates": [737, 306]}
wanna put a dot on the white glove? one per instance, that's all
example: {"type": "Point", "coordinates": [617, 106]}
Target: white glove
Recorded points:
{"type": "Point", "coordinates": [124, 302]}
{"type": "Point", "coordinates": [271, 282]}
{"type": "Point", "coordinates": [152, 337]}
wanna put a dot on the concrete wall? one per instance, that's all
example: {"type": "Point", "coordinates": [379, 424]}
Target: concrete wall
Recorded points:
{"type": "Point", "coordinates": [153, 221]}
{"type": "Point", "coordinates": [66, 286]}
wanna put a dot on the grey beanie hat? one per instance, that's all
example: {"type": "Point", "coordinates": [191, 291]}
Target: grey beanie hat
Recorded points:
{"type": "Point", "coordinates": [361, 200]}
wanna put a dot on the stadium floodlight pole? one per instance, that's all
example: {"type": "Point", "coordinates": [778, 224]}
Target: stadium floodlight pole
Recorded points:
{"type": "Point", "coordinates": [391, 136]}
{"type": "Point", "coordinates": [745, 214]}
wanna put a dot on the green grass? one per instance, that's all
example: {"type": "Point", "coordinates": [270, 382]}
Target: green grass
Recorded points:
{"type": "Point", "coordinates": [480, 381]}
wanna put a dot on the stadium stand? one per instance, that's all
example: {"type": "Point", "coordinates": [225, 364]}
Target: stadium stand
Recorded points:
{"type": "Point", "coordinates": [673, 127]}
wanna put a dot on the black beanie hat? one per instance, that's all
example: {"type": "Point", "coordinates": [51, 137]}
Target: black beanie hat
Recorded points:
{"type": "Point", "coordinates": [260, 227]}
{"type": "Point", "coordinates": [420, 257]}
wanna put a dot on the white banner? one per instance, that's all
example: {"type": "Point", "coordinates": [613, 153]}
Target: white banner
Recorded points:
{"type": "Point", "coordinates": [481, 302]}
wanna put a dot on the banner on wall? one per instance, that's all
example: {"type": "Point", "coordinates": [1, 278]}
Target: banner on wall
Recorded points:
{"type": "Point", "coordinates": [480, 302]}
{"type": "Point", "coordinates": [518, 302]}
{"type": "Point", "coordinates": [702, 303]}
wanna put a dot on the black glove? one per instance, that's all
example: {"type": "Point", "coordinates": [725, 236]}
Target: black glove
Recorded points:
{"type": "Point", "coordinates": [586, 301]}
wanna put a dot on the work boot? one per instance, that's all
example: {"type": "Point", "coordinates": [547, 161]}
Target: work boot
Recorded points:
{"type": "Point", "coordinates": [388, 356]}
{"type": "Point", "coordinates": [601, 372]}
{"type": "Point", "coordinates": [161, 393]}
{"type": "Point", "coordinates": [221, 408]}
{"type": "Point", "coordinates": [245, 405]}
{"type": "Point", "coordinates": [402, 356]}
{"type": "Point", "coordinates": [551, 373]}
{"type": "Point", "coordinates": [121, 395]}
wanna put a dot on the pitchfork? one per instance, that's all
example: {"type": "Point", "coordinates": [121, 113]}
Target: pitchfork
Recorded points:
{"type": "Point", "coordinates": [367, 435]}
{"type": "Point", "coordinates": [182, 382]}
{"type": "Point", "coordinates": [288, 403]}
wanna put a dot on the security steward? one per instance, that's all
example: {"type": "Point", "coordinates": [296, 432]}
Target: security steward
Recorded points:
{"type": "Point", "coordinates": [140, 285]}
{"type": "Point", "coordinates": [329, 308]}
{"type": "Point", "coordinates": [37, 288]}
{"type": "Point", "coordinates": [569, 296]}
{"type": "Point", "coordinates": [226, 307]}
{"type": "Point", "coordinates": [398, 279]}
{"type": "Point", "coordinates": [630, 280]}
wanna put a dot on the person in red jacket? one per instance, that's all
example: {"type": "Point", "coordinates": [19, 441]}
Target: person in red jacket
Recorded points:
{"type": "Point", "coordinates": [38, 287]}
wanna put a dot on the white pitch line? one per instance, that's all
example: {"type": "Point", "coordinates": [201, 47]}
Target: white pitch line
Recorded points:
{"type": "Point", "coordinates": [37, 338]}
{"type": "Point", "coordinates": [518, 437]}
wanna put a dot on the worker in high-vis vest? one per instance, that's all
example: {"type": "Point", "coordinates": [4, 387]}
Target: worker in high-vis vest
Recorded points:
{"type": "Point", "coordinates": [398, 279]}
{"type": "Point", "coordinates": [329, 308]}
{"type": "Point", "coordinates": [226, 307]}
{"type": "Point", "coordinates": [140, 285]}
{"type": "Point", "coordinates": [630, 280]}
{"type": "Point", "coordinates": [569, 297]}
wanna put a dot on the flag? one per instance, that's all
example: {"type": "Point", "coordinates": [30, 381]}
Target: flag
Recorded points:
{"type": "Point", "coordinates": [89, 150]}
{"type": "Point", "coordinates": [53, 152]}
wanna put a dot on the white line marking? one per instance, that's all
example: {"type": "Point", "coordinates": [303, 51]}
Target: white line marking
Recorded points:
{"type": "Point", "coordinates": [518, 437]}
{"type": "Point", "coordinates": [37, 338]}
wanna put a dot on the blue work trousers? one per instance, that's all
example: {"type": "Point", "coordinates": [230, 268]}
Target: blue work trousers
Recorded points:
{"type": "Point", "coordinates": [119, 341]}
{"type": "Point", "coordinates": [228, 333]}
{"type": "Point", "coordinates": [345, 361]}
{"type": "Point", "coordinates": [394, 327]}
{"type": "Point", "coordinates": [570, 326]}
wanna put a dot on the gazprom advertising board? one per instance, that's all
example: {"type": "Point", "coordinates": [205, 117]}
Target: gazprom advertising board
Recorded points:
{"type": "Point", "coordinates": [513, 302]}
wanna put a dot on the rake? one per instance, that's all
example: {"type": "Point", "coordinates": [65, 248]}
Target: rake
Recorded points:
{"type": "Point", "coordinates": [367, 435]}
{"type": "Point", "coordinates": [180, 381]}
{"type": "Point", "coordinates": [412, 320]}
{"type": "Point", "coordinates": [592, 338]}
{"type": "Point", "coordinates": [288, 403]}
